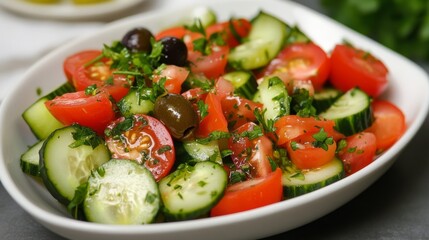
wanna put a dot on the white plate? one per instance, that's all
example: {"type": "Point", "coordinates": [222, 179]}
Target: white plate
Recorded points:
{"type": "Point", "coordinates": [410, 94]}
{"type": "Point", "coordinates": [69, 11]}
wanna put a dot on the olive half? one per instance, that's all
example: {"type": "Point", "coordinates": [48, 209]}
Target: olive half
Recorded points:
{"type": "Point", "coordinates": [177, 114]}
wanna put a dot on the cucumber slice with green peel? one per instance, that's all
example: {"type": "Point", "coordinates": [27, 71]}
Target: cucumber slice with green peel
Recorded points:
{"type": "Point", "coordinates": [65, 163]}
{"type": "Point", "coordinates": [299, 182]}
{"type": "Point", "coordinates": [132, 104]}
{"type": "Point", "coordinates": [264, 42]}
{"type": "Point", "coordinates": [351, 112]}
{"type": "Point", "coordinates": [274, 97]}
{"type": "Point", "coordinates": [122, 192]}
{"type": "Point", "coordinates": [29, 160]}
{"type": "Point", "coordinates": [244, 83]}
{"type": "Point", "coordinates": [38, 117]}
{"type": "Point", "coordinates": [324, 98]}
{"type": "Point", "coordinates": [191, 191]}
{"type": "Point", "coordinates": [203, 152]}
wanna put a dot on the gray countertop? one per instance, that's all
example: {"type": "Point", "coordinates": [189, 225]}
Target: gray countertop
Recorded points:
{"type": "Point", "coordinates": [394, 207]}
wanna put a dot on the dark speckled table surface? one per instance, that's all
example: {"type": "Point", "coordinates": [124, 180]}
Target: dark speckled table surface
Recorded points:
{"type": "Point", "coordinates": [394, 207]}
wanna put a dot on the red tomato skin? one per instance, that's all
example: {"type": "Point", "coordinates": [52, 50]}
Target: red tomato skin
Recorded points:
{"type": "Point", "coordinates": [291, 126]}
{"type": "Point", "coordinates": [241, 26]}
{"type": "Point", "coordinates": [250, 194]}
{"type": "Point", "coordinates": [251, 152]}
{"type": "Point", "coordinates": [355, 68]}
{"type": "Point", "coordinates": [82, 78]}
{"type": "Point", "coordinates": [213, 65]}
{"type": "Point", "coordinates": [301, 61]}
{"type": "Point", "coordinates": [389, 124]}
{"type": "Point", "coordinates": [239, 111]}
{"type": "Point", "coordinates": [175, 76]}
{"type": "Point", "coordinates": [359, 153]}
{"type": "Point", "coordinates": [307, 156]}
{"type": "Point", "coordinates": [71, 63]}
{"type": "Point", "coordinates": [159, 137]}
{"type": "Point", "coordinates": [95, 112]}
{"type": "Point", "coordinates": [214, 121]}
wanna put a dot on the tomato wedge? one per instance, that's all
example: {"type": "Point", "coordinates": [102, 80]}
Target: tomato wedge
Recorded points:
{"type": "Point", "coordinates": [359, 152]}
{"type": "Point", "coordinates": [214, 120]}
{"type": "Point", "coordinates": [353, 67]}
{"type": "Point", "coordinates": [250, 194]}
{"type": "Point", "coordinates": [93, 111]}
{"type": "Point", "coordinates": [144, 139]}
{"type": "Point", "coordinates": [305, 155]}
{"type": "Point", "coordinates": [389, 124]}
{"type": "Point", "coordinates": [251, 153]}
{"type": "Point", "coordinates": [301, 61]}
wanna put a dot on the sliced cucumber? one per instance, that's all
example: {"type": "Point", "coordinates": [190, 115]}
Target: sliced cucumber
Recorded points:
{"type": "Point", "coordinates": [191, 191]}
{"type": "Point", "coordinates": [296, 183]}
{"type": "Point", "coordinates": [38, 117]}
{"type": "Point", "coordinates": [274, 97]}
{"type": "Point", "coordinates": [132, 104]}
{"type": "Point", "coordinates": [64, 164]}
{"type": "Point", "coordinates": [351, 112]}
{"type": "Point", "coordinates": [265, 40]}
{"type": "Point", "coordinates": [30, 160]}
{"type": "Point", "coordinates": [324, 98]}
{"type": "Point", "coordinates": [244, 83]}
{"type": "Point", "coordinates": [122, 192]}
{"type": "Point", "coordinates": [203, 152]}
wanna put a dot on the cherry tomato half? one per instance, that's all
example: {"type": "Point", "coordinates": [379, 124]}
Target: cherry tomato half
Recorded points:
{"type": "Point", "coordinates": [78, 59]}
{"type": "Point", "coordinates": [301, 61]}
{"type": "Point", "coordinates": [353, 67]}
{"type": "Point", "coordinates": [389, 124]}
{"type": "Point", "coordinates": [144, 139]}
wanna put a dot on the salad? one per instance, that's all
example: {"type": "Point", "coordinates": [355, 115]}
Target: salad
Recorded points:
{"type": "Point", "coordinates": [207, 118]}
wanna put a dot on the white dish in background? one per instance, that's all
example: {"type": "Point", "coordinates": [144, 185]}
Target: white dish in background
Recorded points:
{"type": "Point", "coordinates": [409, 94]}
{"type": "Point", "coordinates": [66, 10]}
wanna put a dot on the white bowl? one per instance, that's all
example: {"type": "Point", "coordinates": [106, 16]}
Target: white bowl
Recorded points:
{"type": "Point", "coordinates": [408, 89]}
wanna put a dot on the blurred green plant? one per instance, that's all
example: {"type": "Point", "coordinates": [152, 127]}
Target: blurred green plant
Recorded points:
{"type": "Point", "coordinates": [402, 25]}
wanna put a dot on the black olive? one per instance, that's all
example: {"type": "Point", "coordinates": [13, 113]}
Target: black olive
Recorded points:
{"type": "Point", "coordinates": [138, 40]}
{"type": "Point", "coordinates": [174, 51]}
{"type": "Point", "coordinates": [177, 114]}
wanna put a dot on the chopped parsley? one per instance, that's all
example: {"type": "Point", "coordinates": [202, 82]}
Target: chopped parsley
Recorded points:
{"type": "Point", "coordinates": [84, 136]}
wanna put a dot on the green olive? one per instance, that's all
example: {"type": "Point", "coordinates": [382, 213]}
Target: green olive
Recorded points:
{"type": "Point", "coordinates": [177, 114]}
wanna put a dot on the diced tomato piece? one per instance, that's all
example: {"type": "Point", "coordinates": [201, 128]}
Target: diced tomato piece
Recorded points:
{"type": "Point", "coordinates": [175, 76]}
{"type": "Point", "coordinates": [291, 126]}
{"type": "Point", "coordinates": [238, 111]}
{"type": "Point", "coordinates": [359, 152]}
{"type": "Point", "coordinates": [305, 155]}
{"type": "Point", "coordinates": [214, 121]}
